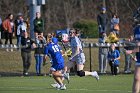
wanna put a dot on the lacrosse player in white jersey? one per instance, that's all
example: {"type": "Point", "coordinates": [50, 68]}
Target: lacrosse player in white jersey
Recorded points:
{"type": "Point", "coordinates": [78, 58]}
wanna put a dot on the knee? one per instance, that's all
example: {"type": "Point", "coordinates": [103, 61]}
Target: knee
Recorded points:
{"type": "Point", "coordinates": [81, 73]}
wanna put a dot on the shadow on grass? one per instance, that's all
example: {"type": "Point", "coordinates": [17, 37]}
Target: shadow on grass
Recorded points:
{"type": "Point", "coordinates": [12, 74]}
{"type": "Point", "coordinates": [26, 89]}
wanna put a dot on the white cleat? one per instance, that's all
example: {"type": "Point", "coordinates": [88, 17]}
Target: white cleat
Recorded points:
{"type": "Point", "coordinates": [95, 74]}
{"type": "Point", "coordinates": [55, 85]}
{"type": "Point", "coordinates": [62, 87]}
{"type": "Point", "coordinates": [67, 77]}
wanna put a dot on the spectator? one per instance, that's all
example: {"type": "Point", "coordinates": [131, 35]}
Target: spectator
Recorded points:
{"type": "Point", "coordinates": [17, 22]}
{"type": "Point", "coordinates": [113, 58]}
{"type": "Point", "coordinates": [115, 24]}
{"type": "Point", "coordinates": [38, 24]}
{"type": "Point", "coordinates": [8, 30]}
{"type": "Point", "coordinates": [26, 43]}
{"type": "Point", "coordinates": [20, 30]}
{"type": "Point", "coordinates": [13, 29]}
{"type": "Point", "coordinates": [128, 58]}
{"type": "Point", "coordinates": [102, 20]}
{"type": "Point", "coordinates": [112, 38]}
{"type": "Point", "coordinates": [40, 41]}
{"type": "Point", "coordinates": [103, 54]}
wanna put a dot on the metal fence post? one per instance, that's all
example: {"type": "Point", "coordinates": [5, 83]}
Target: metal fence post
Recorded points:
{"type": "Point", "coordinates": [34, 6]}
{"type": "Point", "coordinates": [90, 57]}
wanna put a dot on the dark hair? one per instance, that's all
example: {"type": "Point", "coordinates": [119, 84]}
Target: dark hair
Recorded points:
{"type": "Point", "coordinates": [9, 14]}
{"type": "Point", "coordinates": [114, 14]}
{"type": "Point", "coordinates": [77, 31]}
{"type": "Point", "coordinates": [72, 30]}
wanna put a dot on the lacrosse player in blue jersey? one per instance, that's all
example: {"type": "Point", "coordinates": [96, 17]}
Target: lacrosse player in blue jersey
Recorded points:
{"type": "Point", "coordinates": [54, 50]}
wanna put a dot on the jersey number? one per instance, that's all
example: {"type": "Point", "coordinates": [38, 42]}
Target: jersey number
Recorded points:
{"type": "Point", "coordinates": [55, 48]}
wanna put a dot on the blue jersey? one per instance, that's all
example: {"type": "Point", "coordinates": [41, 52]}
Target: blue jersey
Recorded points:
{"type": "Point", "coordinates": [54, 51]}
{"type": "Point", "coordinates": [137, 38]}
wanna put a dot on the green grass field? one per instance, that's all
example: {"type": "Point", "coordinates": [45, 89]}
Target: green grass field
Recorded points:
{"type": "Point", "coordinates": [11, 66]}
{"type": "Point", "coordinates": [34, 84]}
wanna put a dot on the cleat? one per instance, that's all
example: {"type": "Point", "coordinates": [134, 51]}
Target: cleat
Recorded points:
{"type": "Point", "coordinates": [62, 88]}
{"type": "Point", "coordinates": [55, 85]}
{"type": "Point", "coordinates": [95, 74]}
{"type": "Point", "coordinates": [67, 77]}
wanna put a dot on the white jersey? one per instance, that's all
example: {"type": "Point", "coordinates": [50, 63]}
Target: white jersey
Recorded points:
{"type": "Point", "coordinates": [75, 41]}
{"type": "Point", "coordinates": [79, 58]}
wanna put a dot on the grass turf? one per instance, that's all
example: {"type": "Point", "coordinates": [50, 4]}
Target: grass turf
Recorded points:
{"type": "Point", "coordinates": [11, 65]}
{"type": "Point", "coordinates": [41, 84]}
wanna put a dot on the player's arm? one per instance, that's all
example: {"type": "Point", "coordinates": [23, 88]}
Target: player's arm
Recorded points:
{"type": "Point", "coordinates": [63, 53]}
{"type": "Point", "coordinates": [77, 50]}
{"type": "Point", "coordinates": [77, 45]}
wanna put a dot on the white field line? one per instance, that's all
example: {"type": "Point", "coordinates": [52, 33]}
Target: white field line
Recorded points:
{"type": "Point", "coordinates": [36, 88]}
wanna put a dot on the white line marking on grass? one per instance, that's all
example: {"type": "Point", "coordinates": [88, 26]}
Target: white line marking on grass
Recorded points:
{"type": "Point", "coordinates": [99, 90]}
{"type": "Point", "coordinates": [40, 88]}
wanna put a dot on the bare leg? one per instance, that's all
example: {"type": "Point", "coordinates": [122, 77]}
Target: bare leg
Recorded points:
{"type": "Point", "coordinates": [58, 80]}
{"type": "Point", "coordinates": [81, 67]}
{"type": "Point", "coordinates": [136, 83]}
{"type": "Point", "coordinates": [57, 76]}
{"type": "Point", "coordinates": [68, 66]}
